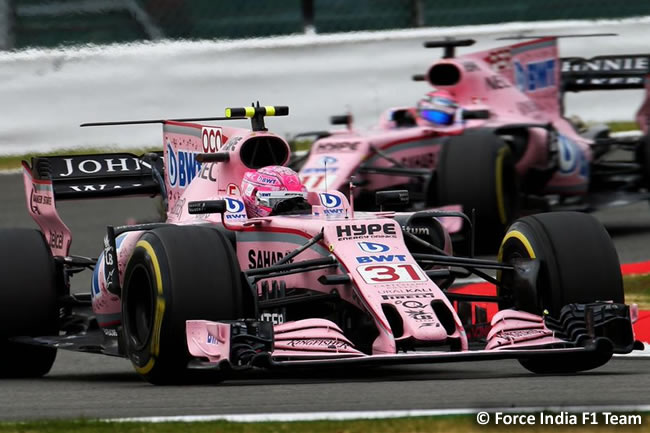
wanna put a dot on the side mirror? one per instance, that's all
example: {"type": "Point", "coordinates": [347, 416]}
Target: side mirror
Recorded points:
{"type": "Point", "coordinates": [476, 114]}
{"type": "Point", "coordinates": [396, 197]}
{"type": "Point", "coordinates": [213, 157]}
{"type": "Point", "coordinates": [403, 118]}
{"type": "Point", "coordinates": [206, 206]}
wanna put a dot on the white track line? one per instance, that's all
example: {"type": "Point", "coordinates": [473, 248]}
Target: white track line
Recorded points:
{"type": "Point", "coordinates": [11, 171]}
{"type": "Point", "coordinates": [626, 134]}
{"type": "Point", "coordinates": [380, 414]}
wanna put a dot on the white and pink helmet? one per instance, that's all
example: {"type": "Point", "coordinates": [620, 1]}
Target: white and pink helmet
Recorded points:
{"type": "Point", "coordinates": [262, 189]}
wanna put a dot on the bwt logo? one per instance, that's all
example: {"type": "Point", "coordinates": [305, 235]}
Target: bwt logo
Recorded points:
{"type": "Point", "coordinates": [234, 206]}
{"type": "Point", "coordinates": [382, 258]}
{"type": "Point", "coordinates": [373, 247]}
{"type": "Point", "coordinates": [181, 168]}
{"type": "Point", "coordinates": [328, 160]}
{"type": "Point", "coordinates": [571, 156]}
{"type": "Point", "coordinates": [330, 200]}
{"type": "Point", "coordinates": [535, 75]}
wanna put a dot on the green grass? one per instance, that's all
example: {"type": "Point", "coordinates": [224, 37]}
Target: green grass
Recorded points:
{"type": "Point", "coordinates": [300, 144]}
{"type": "Point", "coordinates": [622, 126]}
{"type": "Point", "coordinates": [637, 290]}
{"type": "Point", "coordinates": [450, 424]}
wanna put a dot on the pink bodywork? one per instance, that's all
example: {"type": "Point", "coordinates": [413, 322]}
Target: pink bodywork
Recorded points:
{"type": "Point", "coordinates": [517, 329]}
{"type": "Point", "coordinates": [369, 248]}
{"type": "Point", "coordinates": [394, 282]}
{"type": "Point", "coordinates": [39, 195]}
{"type": "Point", "coordinates": [494, 79]}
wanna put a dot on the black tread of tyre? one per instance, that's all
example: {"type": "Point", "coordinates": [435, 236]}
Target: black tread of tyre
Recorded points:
{"type": "Point", "coordinates": [28, 302]}
{"type": "Point", "coordinates": [195, 263]}
{"type": "Point", "coordinates": [579, 264]}
{"type": "Point", "coordinates": [466, 176]}
{"type": "Point", "coordinates": [571, 244]}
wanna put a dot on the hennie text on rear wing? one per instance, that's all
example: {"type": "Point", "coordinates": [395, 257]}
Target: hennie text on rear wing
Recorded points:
{"type": "Point", "coordinates": [605, 72]}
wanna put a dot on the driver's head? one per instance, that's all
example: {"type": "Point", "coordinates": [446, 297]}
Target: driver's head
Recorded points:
{"type": "Point", "coordinates": [264, 189]}
{"type": "Point", "coordinates": [438, 108]}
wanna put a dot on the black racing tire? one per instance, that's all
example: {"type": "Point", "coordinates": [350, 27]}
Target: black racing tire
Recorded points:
{"type": "Point", "coordinates": [643, 158]}
{"type": "Point", "coordinates": [176, 274]}
{"type": "Point", "coordinates": [578, 264]}
{"type": "Point", "coordinates": [28, 302]}
{"type": "Point", "coordinates": [477, 171]}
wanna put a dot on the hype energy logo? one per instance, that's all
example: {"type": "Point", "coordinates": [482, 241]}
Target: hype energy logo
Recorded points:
{"type": "Point", "coordinates": [182, 166]}
{"type": "Point", "coordinates": [535, 76]}
{"type": "Point", "coordinates": [373, 247]}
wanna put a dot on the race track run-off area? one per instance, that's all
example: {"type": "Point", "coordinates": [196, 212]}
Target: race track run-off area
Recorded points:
{"type": "Point", "coordinates": [641, 326]}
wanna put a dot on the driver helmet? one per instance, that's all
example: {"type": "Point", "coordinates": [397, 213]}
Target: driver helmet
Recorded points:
{"type": "Point", "coordinates": [437, 107]}
{"type": "Point", "coordinates": [263, 189]}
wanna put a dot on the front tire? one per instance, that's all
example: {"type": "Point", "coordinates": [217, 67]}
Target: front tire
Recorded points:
{"type": "Point", "coordinates": [578, 264]}
{"type": "Point", "coordinates": [28, 302]}
{"type": "Point", "coordinates": [176, 274]}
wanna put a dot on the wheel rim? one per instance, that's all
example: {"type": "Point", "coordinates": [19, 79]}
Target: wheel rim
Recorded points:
{"type": "Point", "coordinates": [140, 308]}
{"type": "Point", "coordinates": [513, 249]}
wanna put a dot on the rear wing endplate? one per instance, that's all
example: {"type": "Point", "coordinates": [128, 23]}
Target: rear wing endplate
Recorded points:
{"type": "Point", "coordinates": [54, 178]}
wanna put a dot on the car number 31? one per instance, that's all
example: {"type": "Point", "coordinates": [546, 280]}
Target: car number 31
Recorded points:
{"type": "Point", "coordinates": [378, 274]}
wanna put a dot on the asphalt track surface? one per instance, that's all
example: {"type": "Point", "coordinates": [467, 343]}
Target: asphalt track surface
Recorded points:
{"type": "Point", "coordinates": [98, 386]}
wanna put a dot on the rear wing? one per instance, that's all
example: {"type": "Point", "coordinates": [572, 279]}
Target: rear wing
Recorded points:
{"type": "Point", "coordinates": [85, 176]}
{"type": "Point", "coordinates": [101, 175]}
{"type": "Point", "coordinates": [605, 72]}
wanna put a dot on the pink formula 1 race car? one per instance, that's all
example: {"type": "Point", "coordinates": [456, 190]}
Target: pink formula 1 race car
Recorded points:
{"type": "Point", "coordinates": [492, 137]}
{"type": "Point", "coordinates": [313, 283]}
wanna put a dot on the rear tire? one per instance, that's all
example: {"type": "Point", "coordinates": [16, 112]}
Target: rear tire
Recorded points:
{"type": "Point", "coordinates": [477, 171]}
{"type": "Point", "coordinates": [176, 274]}
{"type": "Point", "coordinates": [28, 302]}
{"type": "Point", "coordinates": [578, 264]}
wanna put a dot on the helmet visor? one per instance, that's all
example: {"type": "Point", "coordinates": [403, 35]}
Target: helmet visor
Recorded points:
{"type": "Point", "coordinates": [271, 198]}
{"type": "Point", "coordinates": [437, 116]}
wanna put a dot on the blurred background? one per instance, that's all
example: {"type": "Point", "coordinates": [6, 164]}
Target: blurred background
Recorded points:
{"type": "Point", "coordinates": [42, 23]}
{"type": "Point", "coordinates": [65, 62]}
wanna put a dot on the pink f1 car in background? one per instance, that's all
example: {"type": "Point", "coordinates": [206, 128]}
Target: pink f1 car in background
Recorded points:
{"type": "Point", "coordinates": [211, 289]}
{"type": "Point", "coordinates": [509, 152]}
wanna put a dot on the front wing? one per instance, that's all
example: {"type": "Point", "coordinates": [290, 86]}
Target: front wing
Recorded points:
{"type": "Point", "coordinates": [586, 331]}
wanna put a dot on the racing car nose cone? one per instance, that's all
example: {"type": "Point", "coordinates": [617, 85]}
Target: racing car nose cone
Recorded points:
{"type": "Point", "coordinates": [428, 331]}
